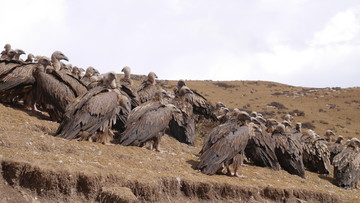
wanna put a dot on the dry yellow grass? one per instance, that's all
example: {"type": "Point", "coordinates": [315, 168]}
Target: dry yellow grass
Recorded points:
{"type": "Point", "coordinates": [78, 171]}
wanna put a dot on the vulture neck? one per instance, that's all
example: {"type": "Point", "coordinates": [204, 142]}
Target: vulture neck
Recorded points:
{"type": "Point", "coordinates": [56, 63]}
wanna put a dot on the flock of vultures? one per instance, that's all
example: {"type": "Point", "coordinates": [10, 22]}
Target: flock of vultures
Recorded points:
{"type": "Point", "coordinates": [101, 108]}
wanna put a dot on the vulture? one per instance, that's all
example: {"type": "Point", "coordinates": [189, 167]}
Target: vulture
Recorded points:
{"type": "Point", "coordinates": [86, 79]}
{"type": "Point", "coordinates": [182, 126]}
{"type": "Point", "coordinates": [336, 148]}
{"type": "Point", "coordinates": [260, 149]}
{"type": "Point", "coordinates": [30, 58]}
{"type": "Point", "coordinates": [148, 122]}
{"type": "Point", "coordinates": [126, 85]}
{"type": "Point", "coordinates": [16, 80]}
{"type": "Point", "coordinates": [316, 155]}
{"type": "Point", "coordinates": [288, 151]}
{"type": "Point", "coordinates": [347, 165]}
{"type": "Point", "coordinates": [18, 53]}
{"type": "Point", "coordinates": [200, 104]}
{"type": "Point", "coordinates": [225, 145]}
{"type": "Point", "coordinates": [56, 89]}
{"type": "Point", "coordinates": [328, 135]}
{"type": "Point", "coordinates": [5, 53]}
{"type": "Point", "coordinates": [148, 88]}
{"type": "Point", "coordinates": [91, 116]}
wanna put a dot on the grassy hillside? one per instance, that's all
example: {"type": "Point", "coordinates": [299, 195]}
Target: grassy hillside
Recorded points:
{"type": "Point", "coordinates": [37, 167]}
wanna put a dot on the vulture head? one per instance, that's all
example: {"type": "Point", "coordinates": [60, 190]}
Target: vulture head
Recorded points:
{"type": "Point", "coordinates": [126, 70]}
{"type": "Point", "coordinates": [286, 123]}
{"type": "Point", "coordinates": [243, 117]}
{"type": "Point", "coordinates": [184, 90]}
{"type": "Point", "coordinates": [89, 71]}
{"type": "Point", "coordinates": [181, 83]}
{"type": "Point", "coordinates": [108, 80]}
{"type": "Point", "coordinates": [355, 143]}
{"type": "Point", "coordinates": [58, 55]}
{"type": "Point", "coordinates": [43, 62]}
{"type": "Point", "coordinates": [30, 58]}
{"type": "Point", "coordinates": [151, 77]}
{"type": "Point", "coordinates": [280, 128]}
{"type": "Point", "coordinates": [218, 104]}
{"type": "Point", "coordinates": [339, 139]}
{"type": "Point", "coordinates": [7, 47]}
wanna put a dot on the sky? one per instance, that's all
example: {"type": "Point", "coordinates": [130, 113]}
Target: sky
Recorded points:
{"type": "Point", "coordinates": [309, 43]}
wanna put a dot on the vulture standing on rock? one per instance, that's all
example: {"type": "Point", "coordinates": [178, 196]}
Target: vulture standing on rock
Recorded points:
{"type": "Point", "coordinates": [347, 165]}
{"type": "Point", "coordinates": [225, 145]}
{"type": "Point", "coordinates": [182, 126]}
{"type": "Point", "coordinates": [148, 122]}
{"type": "Point", "coordinates": [91, 115]}
{"type": "Point", "coordinates": [288, 151]}
{"type": "Point", "coordinates": [56, 89]}
{"type": "Point", "coordinates": [148, 88]}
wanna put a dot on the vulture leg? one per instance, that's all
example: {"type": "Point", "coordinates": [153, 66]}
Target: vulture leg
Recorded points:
{"type": "Point", "coordinates": [156, 144]}
{"type": "Point", "coordinates": [238, 160]}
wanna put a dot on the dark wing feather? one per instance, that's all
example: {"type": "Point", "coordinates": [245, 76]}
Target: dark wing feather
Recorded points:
{"type": "Point", "coordinates": [224, 150]}
{"type": "Point", "coordinates": [95, 113]}
{"type": "Point", "coordinates": [148, 123]}
{"type": "Point", "coordinates": [316, 156]}
{"type": "Point", "coordinates": [19, 76]}
{"type": "Point", "coordinates": [201, 105]}
{"type": "Point", "coordinates": [288, 151]}
{"type": "Point", "coordinates": [217, 133]}
{"type": "Point", "coordinates": [261, 150]}
{"type": "Point", "coordinates": [347, 167]}
{"type": "Point", "coordinates": [72, 82]}
{"type": "Point", "coordinates": [182, 126]}
{"type": "Point", "coordinates": [147, 92]}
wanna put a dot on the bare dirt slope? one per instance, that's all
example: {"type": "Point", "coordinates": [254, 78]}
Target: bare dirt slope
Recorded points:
{"type": "Point", "coordinates": [37, 167]}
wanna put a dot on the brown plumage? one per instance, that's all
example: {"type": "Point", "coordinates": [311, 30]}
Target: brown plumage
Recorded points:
{"type": "Point", "coordinates": [56, 89]}
{"type": "Point", "coordinates": [336, 148]}
{"type": "Point", "coordinates": [200, 104]}
{"type": "Point", "coordinates": [182, 126]}
{"type": "Point", "coordinates": [316, 155]}
{"type": "Point", "coordinates": [288, 151]}
{"type": "Point", "coordinates": [224, 143]}
{"type": "Point", "coordinates": [260, 149]}
{"type": "Point", "coordinates": [5, 53]}
{"type": "Point", "coordinates": [148, 88]}
{"type": "Point", "coordinates": [126, 85]}
{"type": "Point", "coordinates": [347, 165]}
{"type": "Point", "coordinates": [91, 115]}
{"type": "Point", "coordinates": [86, 79]}
{"type": "Point", "coordinates": [147, 122]}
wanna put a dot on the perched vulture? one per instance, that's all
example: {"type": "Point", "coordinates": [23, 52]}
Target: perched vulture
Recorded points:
{"type": "Point", "coordinates": [315, 153]}
{"type": "Point", "coordinates": [18, 52]}
{"type": "Point", "coordinates": [288, 151]}
{"type": "Point", "coordinates": [86, 79]}
{"type": "Point", "coordinates": [91, 115]}
{"type": "Point", "coordinates": [56, 89]}
{"type": "Point", "coordinates": [126, 85]}
{"type": "Point", "coordinates": [148, 122]}
{"type": "Point", "coordinates": [5, 53]}
{"type": "Point", "coordinates": [16, 80]}
{"type": "Point", "coordinates": [225, 145]}
{"type": "Point", "coordinates": [30, 58]}
{"type": "Point", "coordinates": [347, 165]}
{"type": "Point", "coordinates": [336, 148]}
{"type": "Point", "coordinates": [200, 104]}
{"type": "Point", "coordinates": [260, 149]}
{"type": "Point", "coordinates": [148, 88]}
{"type": "Point", "coordinates": [182, 126]}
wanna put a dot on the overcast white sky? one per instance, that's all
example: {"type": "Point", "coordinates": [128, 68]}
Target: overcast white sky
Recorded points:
{"type": "Point", "coordinates": [311, 43]}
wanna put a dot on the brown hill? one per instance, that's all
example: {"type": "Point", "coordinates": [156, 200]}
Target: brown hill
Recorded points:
{"type": "Point", "coordinates": [37, 167]}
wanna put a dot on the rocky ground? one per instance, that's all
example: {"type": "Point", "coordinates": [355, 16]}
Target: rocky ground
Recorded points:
{"type": "Point", "coordinates": [37, 167]}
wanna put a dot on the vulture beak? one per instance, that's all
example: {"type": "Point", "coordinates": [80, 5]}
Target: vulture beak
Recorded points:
{"type": "Point", "coordinates": [65, 58]}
